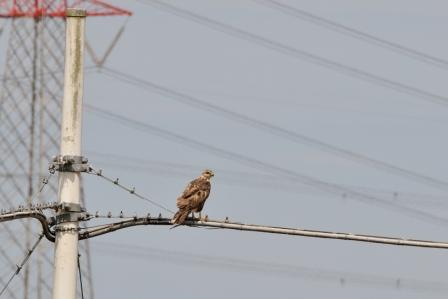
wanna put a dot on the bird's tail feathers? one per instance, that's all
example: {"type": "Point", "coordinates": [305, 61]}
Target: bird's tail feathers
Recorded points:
{"type": "Point", "coordinates": [180, 217]}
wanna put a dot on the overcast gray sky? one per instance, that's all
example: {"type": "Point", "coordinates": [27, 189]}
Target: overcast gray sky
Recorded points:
{"type": "Point", "coordinates": [405, 130]}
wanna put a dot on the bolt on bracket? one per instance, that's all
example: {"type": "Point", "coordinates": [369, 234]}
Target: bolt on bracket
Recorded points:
{"type": "Point", "coordinates": [69, 163]}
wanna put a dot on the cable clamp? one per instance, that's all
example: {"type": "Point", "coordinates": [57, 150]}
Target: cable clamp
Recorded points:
{"type": "Point", "coordinates": [66, 229]}
{"type": "Point", "coordinates": [69, 163]}
{"type": "Point", "coordinates": [70, 212]}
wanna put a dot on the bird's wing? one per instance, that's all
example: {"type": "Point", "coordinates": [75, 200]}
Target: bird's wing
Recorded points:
{"type": "Point", "coordinates": [194, 195]}
{"type": "Point", "coordinates": [192, 188]}
{"type": "Point", "coordinates": [197, 201]}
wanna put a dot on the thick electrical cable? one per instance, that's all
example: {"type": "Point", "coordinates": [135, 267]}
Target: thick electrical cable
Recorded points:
{"type": "Point", "coordinates": [296, 53]}
{"type": "Point", "coordinates": [22, 264]}
{"type": "Point", "coordinates": [227, 224]}
{"type": "Point", "coordinates": [355, 33]}
{"type": "Point", "coordinates": [270, 168]}
{"type": "Point", "coordinates": [273, 129]}
{"type": "Point", "coordinates": [34, 212]}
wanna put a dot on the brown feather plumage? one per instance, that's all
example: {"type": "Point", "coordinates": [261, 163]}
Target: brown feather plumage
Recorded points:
{"type": "Point", "coordinates": [193, 198]}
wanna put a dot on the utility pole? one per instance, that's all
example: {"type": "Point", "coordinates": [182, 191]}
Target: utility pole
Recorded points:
{"type": "Point", "coordinates": [66, 246]}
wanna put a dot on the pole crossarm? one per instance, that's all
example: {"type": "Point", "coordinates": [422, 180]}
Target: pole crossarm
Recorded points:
{"type": "Point", "coordinates": [97, 231]}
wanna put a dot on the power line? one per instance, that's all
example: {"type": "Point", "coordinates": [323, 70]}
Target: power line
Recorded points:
{"type": "Point", "coordinates": [285, 270]}
{"type": "Point", "coordinates": [91, 232]}
{"type": "Point", "coordinates": [80, 277]}
{"type": "Point", "coordinates": [257, 164]}
{"type": "Point", "coordinates": [273, 129]}
{"type": "Point", "coordinates": [30, 212]}
{"type": "Point", "coordinates": [42, 75]}
{"type": "Point", "coordinates": [233, 176]}
{"type": "Point", "coordinates": [296, 53]}
{"type": "Point", "coordinates": [130, 190]}
{"type": "Point", "coordinates": [265, 181]}
{"type": "Point", "coordinates": [20, 266]}
{"type": "Point", "coordinates": [346, 30]}
{"type": "Point", "coordinates": [11, 294]}
{"type": "Point", "coordinates": [227, 224]}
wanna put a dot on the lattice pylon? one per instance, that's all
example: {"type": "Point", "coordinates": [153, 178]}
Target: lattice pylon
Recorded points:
{"type": "Point", "coordinates": [30, 106]}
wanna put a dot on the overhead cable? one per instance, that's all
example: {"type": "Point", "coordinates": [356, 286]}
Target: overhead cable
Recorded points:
{"type": "Point", "coordinates": [34, 212]}
{"type": "Point", "coordinates": [270, 168]}
{"type": "Point", "coordinates": [20, 266]}
{"type": "Point", "coordinates": [227, 224]}
{"type": "Point", "coordinates": [80, 277]}
{"type": "Point", "coordinates": [262, 267]}
{"type": "Point", "coordinates": [265, 181]}
{"type": "Point", "coordinates": [355, 33]}
{"type": "Point", "coordinates": [299, 54]}
{"type": "Point", "coordinates": [132, 191]}
{"type": "Point", "coordinates": [273, 129]}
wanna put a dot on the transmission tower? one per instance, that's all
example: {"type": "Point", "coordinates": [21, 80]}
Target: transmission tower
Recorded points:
{"type": "Point", "coordinates": [30, 107]}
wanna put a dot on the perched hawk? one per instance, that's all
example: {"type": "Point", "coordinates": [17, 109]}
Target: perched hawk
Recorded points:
{"type": "Point", "coordinates": [193, 198]}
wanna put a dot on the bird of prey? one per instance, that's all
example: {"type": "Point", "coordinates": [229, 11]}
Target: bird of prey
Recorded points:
{"type": "Point", "coordinates": [193, 198]}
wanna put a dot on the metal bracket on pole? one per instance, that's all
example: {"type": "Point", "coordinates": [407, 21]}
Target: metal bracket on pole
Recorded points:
{"type": "Point", "coordinates": [70, 212]}
{"type": "Point", "coordinates": [69, 163]}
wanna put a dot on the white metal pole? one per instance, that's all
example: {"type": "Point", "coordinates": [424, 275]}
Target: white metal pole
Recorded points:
{"type": "Point", "coordinates": [66, 245]}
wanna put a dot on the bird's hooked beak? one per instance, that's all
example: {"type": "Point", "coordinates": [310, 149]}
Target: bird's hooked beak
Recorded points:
{"type": "Point", "coordinates": [208, 173]}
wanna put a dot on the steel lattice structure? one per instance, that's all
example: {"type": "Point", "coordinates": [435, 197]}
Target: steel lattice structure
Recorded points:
{"type": "Point", "coordinates": [30, 106]}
